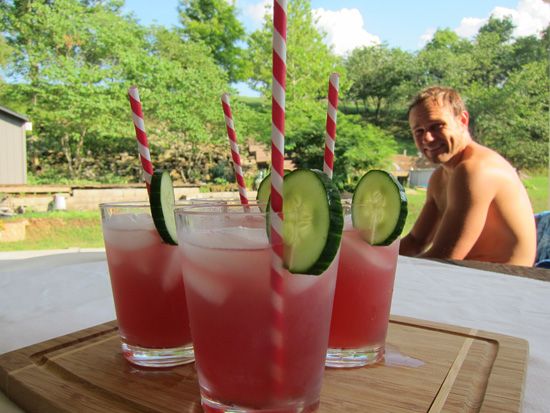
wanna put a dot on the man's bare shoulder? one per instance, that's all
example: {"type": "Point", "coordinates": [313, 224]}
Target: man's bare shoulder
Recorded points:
{"type": "Point", "coordinates": [479, 156]}
{"type": "Point", "coordinates": [484, 174]}
{"type": "Point", "coordinates": [482, 162]}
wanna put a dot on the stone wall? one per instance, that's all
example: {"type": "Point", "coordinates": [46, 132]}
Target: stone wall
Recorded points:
{"type": "Point", "coordinates": [76, 198]}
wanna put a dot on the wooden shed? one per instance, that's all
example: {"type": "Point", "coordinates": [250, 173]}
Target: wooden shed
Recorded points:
{"type": "Point", "coordinates": [13, 153]}
{"type": "Point", "coordinates": [414, 170]}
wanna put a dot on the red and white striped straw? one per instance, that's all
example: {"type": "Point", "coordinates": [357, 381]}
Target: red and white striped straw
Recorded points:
{"type": "Point", "coordinates": [330, 130]}
{"type": "Point", "coordinates": [234, 148]}
{"type": "Point", "coordinates": [277, 174]}
{"type": "Point", "coordinates": [141, 136]}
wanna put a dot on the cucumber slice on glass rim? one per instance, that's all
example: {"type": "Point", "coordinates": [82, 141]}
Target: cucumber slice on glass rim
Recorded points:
{"type": "Point", "coordinates": [264, 191]}
{"type": "Point", "coordinates": [162, 200]}
{"type": "Point", "coordinates": [379, 207]}
{"type": "Point", "coordinates": [313, 221]}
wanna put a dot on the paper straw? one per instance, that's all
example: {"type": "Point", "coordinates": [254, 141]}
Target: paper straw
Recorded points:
{"type": "Point", "coordinates": [330, 130]}
{"type": "Point", "coordinates": [234, 148]}
{"type": "Point", "coordinates": [141, 136]}
{"type": "Point", "coordinates": [277, 173]}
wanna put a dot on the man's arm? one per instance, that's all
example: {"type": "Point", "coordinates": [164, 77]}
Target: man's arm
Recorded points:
{"type": "Point", "coordinates": [418, 239]}
{"type": "Point", "coordinates": [470, 193]}
{"type": "Point", "coordinates": [423, 230]}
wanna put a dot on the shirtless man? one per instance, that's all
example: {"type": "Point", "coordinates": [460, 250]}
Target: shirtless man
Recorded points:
{"type": "Point", "coordinates": [476, 206]}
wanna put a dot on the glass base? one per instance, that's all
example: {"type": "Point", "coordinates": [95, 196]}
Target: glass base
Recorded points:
{"type": "Point", "coordinates": [158, 357]}
{"type": "Point", "coordinates": [354, 357]}
{"type": "Point", "coordinates": [212, 406]}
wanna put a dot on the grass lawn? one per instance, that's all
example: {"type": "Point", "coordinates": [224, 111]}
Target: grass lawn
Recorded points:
{"type": "Point", "coordinates": [66, 229]}
{"type": "Point", "coordinates": [59, 230]}
{"type": "Point", "coordinates": [537, 188]}
{"type": "Point", "coordinates": [415, 198]}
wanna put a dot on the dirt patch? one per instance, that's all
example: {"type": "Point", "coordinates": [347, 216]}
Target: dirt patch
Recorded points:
{"type": "Point", "coordinates": [40, 228]}
{"type": "Point", "coordinates": [11, 231]}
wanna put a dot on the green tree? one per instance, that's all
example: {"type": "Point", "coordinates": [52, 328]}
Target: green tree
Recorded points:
{"type": "Point", "coordinates": [447, 60]}
{"type": "Point", "coordinates": [501, 28]}
{"type": "Point", "coordinates": [514, 119]}
{"type": "Point", "coordinates": [71, 58]}
{"type": "Point", "coordinates": [359, 145]}
{"type": "Point", "coordinates": [76, 60]}
{"type": "Point", "coordinates": [184, 96]}
{"type": "Point", "coordinates": [215, 23]}
{"type": "Point", "coordinates": [309, 60]}
{"type": "Point", "coordinates": [379, 78]}
{"type": "Point", "coordinates": [529, 49]}
{"type": "Point", "coordinates": [4, 57]}
{"type": "Point", "coordinates": [4, 51]}
{"type": "Point", "coordinates": [492, 51]}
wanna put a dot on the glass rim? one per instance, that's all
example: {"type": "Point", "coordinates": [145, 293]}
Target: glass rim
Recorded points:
{"type": "Point", "coordinates": [124, 204]}
{"type": "Point", "coordinates": [233, 209]}
{"type": "Point", "coordinates": [178, 202]}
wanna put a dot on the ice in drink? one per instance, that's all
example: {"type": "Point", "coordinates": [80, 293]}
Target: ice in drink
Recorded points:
{"type": "Point", "coordinates": [227, 276]}
{"type": "Point", "coordinates": [148, 290]}
{"type": "Point", "coordinates": [362, 300]}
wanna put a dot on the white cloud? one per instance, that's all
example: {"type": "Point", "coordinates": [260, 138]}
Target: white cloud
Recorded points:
{"type": "Point", "coordinates": [530, 17]}
{"type": "Point", "coordinates": [345, 29]}
{"type": "Point", "coordinates": [469, 26]}
{"type": "Point", "coordinates": [426, 37]}
{"type": "Point", "coordinates": [257, 11]}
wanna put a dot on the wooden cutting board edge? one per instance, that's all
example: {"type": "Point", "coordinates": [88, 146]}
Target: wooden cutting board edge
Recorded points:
{"type": "Point", "coordinates": [33, 355]}
{"type": "Point", "coordinates": [511, 359]}
{"type": "Point", "coordinates": [508, 371]}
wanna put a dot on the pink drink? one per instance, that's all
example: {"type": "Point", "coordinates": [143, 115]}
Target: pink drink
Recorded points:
{"type": "Point", "coordinates": [227, 277]}
{"type": "Point", "coordinates": [362, 301]}
{"type": "Point", "coordinates": [148, 290]}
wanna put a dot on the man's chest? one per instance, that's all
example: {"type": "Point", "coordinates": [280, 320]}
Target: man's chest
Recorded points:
{"type": "Point", "coordinates": [441, 194]}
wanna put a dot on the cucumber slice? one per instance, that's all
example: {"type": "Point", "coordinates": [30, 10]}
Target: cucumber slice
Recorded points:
{"type": "Point", "coordinates": [264, 191]}
{"type": "Point", "coordinates": [162, 202]}
{"type": "Point", "coordinates": [379, 207]}
{"type": "Point", "coordinates": [313, 221]}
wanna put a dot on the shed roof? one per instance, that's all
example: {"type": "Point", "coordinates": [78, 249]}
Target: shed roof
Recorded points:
{"type": "Point", "coordinates": [13, 114]}
{"type": "Point", "coordinates": [403, 164]}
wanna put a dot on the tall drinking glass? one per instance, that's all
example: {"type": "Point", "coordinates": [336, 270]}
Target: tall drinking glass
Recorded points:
{"type": "Point", "coordinates": [227, 263]}
{"type": "Point", "coordinates": [147, 287]}
{"type": "Point", "coordinates": [362, 300]}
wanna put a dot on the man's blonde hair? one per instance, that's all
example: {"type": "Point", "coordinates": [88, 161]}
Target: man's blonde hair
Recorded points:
{"type": "Point", "coordinates": [442, 96]}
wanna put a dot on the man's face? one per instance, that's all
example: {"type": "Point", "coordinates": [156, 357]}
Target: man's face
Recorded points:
{"type": "Point", "coordinates": [437, 132]}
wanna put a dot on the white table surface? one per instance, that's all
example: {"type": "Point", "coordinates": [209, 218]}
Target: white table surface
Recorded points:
{"type": "Point", "coordinates": [58, 292]}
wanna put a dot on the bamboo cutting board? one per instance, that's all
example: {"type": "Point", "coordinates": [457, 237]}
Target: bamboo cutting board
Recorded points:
{"type": "Point", "coordinates": [429, 367]}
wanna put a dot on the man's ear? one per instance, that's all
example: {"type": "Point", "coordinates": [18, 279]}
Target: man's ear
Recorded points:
{"type": "Point", "coordinates": [465, 119]}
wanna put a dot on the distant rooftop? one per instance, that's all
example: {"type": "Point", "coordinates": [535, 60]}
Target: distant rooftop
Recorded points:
{"type": "Point", "coordinates": [13, 114]}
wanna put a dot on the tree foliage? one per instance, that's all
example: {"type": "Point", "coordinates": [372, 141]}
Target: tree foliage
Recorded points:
{"type": "Point", "coordinates": [76, 60]}
{"type": "Point", "coordinates": [514, 118]}
{"type": "Point", "coordinates": [68, 65]}
{"type": "Point", "coordinates": [309, 60]}
{"type": "Point", "coordinates": [359, 145]}
{"type": "Point", "coordinates": [215, 24]}
{"type": "Point", "coordinates": [4, 51]}
{"type": "Point", "coordinates": [70, 75]}
{"type": "Point", "coordinates": [378, 75]}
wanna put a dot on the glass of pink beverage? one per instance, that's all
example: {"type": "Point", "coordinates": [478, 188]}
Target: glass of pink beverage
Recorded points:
{"type": "Point", "coordinates": [227, 264]}
{"type": "Point", "coordinates": [362, 300]}
{"type": "Point", "coordinates": [147, 285]}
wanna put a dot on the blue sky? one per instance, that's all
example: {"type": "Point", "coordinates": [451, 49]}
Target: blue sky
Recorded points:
{"type": "Point", "coordinates": [400, 23]}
